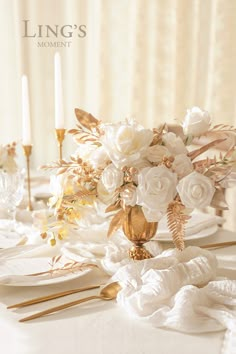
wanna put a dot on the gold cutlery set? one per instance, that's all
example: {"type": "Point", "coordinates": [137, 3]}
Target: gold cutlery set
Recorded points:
{"type": "Point", "coordinates": [109, 292]}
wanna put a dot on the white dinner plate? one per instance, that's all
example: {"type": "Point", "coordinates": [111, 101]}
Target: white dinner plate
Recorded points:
{"type": "Point", "coordinates": [201, 234]}
{"type": "Point", "coordinates": [25, 271]}
{"type": "Point", "coordinates": [13, 238]}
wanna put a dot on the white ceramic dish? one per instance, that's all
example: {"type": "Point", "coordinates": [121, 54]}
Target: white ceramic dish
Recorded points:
{"type": "Point", "coordinates": [201, 234]}
{"type": "Point", "coordinates": [24, 271]}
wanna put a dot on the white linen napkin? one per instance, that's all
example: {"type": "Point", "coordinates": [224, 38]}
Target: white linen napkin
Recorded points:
{"type": "Point", "coordinates": [180, 291]}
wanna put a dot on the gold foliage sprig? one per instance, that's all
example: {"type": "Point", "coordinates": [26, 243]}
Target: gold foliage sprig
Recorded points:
{"type": "Point", "coordinates": [223, 128]}
{"type": "Point", "coordinates": [81, 194]}
{"type": "Point", "coordinates": [76, 168]}
{"type": "Point", "coordinates": [176, 220]}
{"type": "Point", "coordinates": [88, 130]}
{"type": "Point", "coordinates": [71, 266]}
{"type": "Point", "coordinates": [216, 167]}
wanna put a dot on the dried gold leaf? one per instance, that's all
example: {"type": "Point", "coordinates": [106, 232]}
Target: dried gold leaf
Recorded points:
{"type": "Point", "coordinates": [112, 207]}
{"type": "Point", "coordinates": [116, 222]}
{"type": "Point", "coordinates": [86, 119]}
{"type": "Point", "coordinates": [73, 131]}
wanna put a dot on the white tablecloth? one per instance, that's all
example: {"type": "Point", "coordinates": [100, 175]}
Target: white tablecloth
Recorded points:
{"type": "Point", "coordinates": [99, 327]}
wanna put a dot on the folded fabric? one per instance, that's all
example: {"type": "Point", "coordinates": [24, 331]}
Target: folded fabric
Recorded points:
{"type": "Point", "coordinates": [180, 291]}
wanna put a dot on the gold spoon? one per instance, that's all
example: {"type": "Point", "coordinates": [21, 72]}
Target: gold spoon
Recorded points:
{"type": "Point", "coordinates": [108, 293]}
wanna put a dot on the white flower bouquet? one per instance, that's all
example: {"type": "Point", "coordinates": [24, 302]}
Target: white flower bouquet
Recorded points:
{"type": "Point", "coordinates": [144, 173]}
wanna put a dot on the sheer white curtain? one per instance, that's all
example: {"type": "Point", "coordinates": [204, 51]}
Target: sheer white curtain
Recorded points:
{"type": "Point", "coordinates": [151, 59]}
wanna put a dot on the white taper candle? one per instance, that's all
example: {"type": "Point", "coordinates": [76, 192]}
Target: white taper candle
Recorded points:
{"type": "Point", "coordinates": [26, 123]}
{"type": "Point", "coordinates": [59, 110]}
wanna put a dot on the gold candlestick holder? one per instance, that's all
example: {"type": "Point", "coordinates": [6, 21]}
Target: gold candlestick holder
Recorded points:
{"type": "Point", "coordinates": [60, 134]}
{"type": "Point", "coordinates": [27, 152]}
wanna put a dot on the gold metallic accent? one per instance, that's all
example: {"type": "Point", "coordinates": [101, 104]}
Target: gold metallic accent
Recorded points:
{"type": "Point", "coordinates": [219, 244]}
{"type": "Point", "coordinates": [139, 252]}
{"type": "Point", "coordinates": [60, 134]}
{"type": "Point", "coordinates": [37, 300]}
{"type": "Point", "coordinates": [27, 152]}
{"type": "Point", "coordinates": [139, 231]}
{"type": "Point", "coordinates": [108, 293]}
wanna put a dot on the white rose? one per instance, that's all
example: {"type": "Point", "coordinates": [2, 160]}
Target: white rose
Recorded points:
{"type": "Point", "coordinates": [196, 190]}
{"type": "Point", "coordinates": [126, 142]}
{"type": "Point", "coordinates": [104, 196]}
{"type": "Point", "coordinates": [182, 165]}
{"type": "Point", "coordinates": [155, 153]}
{"type": "Point", "coordinates": [84, 151]}
{"type": "Point", "coordinates": [110, 180]}
{"type": "Point", "coordinates": [95, 155]}
{"type": "Point", "coordinates": [140, 164]}
{"type": "Point", "coordinates": [197, 122]}
{"type": "Point", "coordinates": [129, 196]}
{"type": "Point", "coordinates": [99, 158]}
{"type": "Point", "coordinates": [156, 189]}
{"type": "Point", "coordinates": [174, 144]}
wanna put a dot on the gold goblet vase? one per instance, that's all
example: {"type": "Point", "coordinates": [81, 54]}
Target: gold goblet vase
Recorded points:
{"type": "Point", "coordinates": [139, 231]}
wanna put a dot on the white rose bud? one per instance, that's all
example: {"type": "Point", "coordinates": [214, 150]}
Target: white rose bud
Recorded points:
{"type": "Point", "coordinates": [174, 144]}
{"type": "Point", "coordinates": [182, 165]}
{"type": "Point", "coordinates": [197, 122]}
{"type": "Point", "coordinates": [196, 190]}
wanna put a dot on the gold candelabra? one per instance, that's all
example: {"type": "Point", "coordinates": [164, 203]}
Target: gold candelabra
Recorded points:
{"type": "Point", "coordinates": [27, 152]}
{"type": "Point", "coordinates": [60, 134]}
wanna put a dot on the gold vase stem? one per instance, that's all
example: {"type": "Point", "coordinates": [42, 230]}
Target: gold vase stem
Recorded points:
{"type": "Point", "coordinates": [60, 135]}
{"type": "Point", "coordinates": [60, 151]}
{"type": "Point", "coordinates": [27, 152]}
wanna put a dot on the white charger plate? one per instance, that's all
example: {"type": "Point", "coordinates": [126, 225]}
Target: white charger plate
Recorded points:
{"type": "Point", "coordinates": [201, 234]}
{"type": "Point", "coordinates": [19, 271]}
